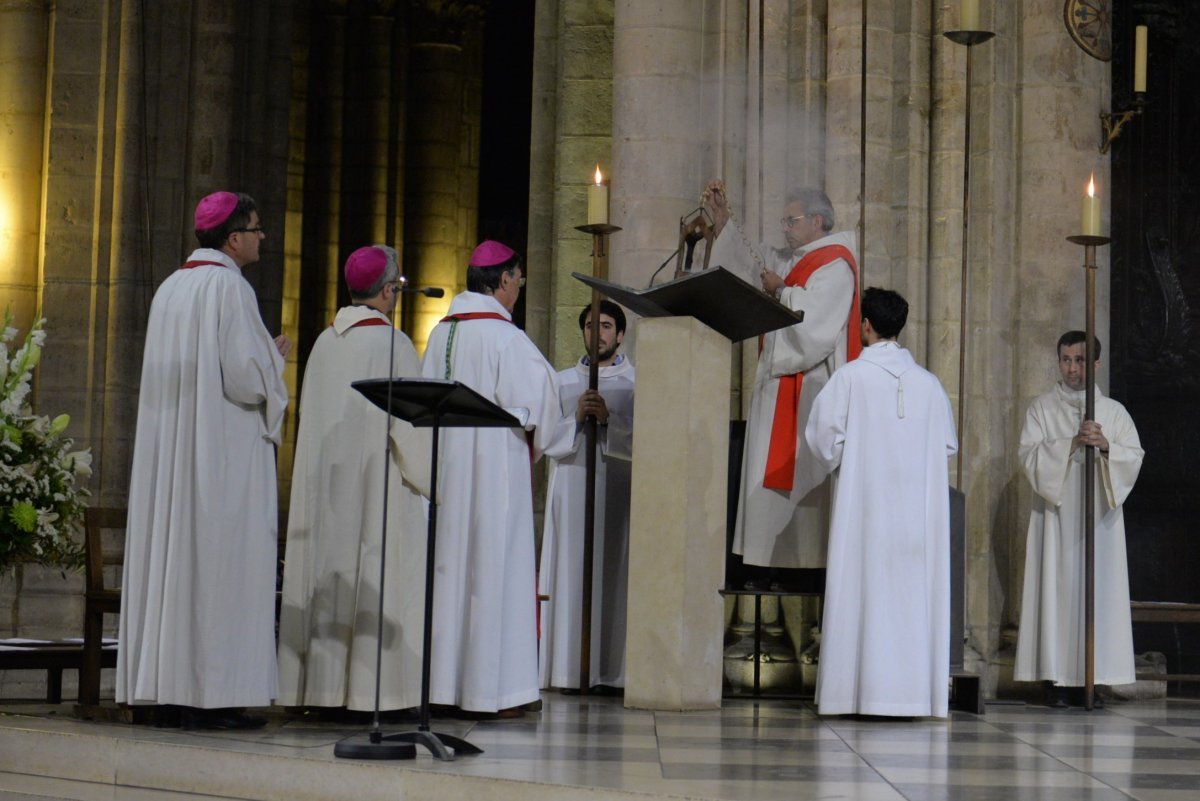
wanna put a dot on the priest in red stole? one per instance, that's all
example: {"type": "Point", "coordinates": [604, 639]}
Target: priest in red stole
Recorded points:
{"type": "Point", "coordinates": [783, 502]}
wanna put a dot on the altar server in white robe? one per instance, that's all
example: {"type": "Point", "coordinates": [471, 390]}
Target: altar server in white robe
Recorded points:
{"type": "Point", "coordinates": [885, 427]}
{"type": "Point", "coordinates": [560, 575]}
{"type": "Point", "coordinates": [1051, 642]}
{"type": "Point", "coordinates": [198, 591]}
{"type": "Point", "coordinates": [328, 627]}
{"type": "Point", "coordinates": [783, 500]}
{"type": "Point", "coordinates": [485, 589]}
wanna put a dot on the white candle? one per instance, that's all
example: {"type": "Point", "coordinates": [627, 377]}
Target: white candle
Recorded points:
{"type": "Point", "coordinates": [968, 19]}
{"type": "Point", "coordinates": [1091, 210]}
{"type": "Point", "coordinates": [597, 201]}
{"type": "Point", "coordinates": [1141, 36]}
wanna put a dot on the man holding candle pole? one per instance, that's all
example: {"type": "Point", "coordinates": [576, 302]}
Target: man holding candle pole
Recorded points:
{"type": "Point", "coordinates": [1051, 642]}
{"type": "Point", "coordinates": [783, 503]}
{"type": "Point", "coordinates": [484, 650]}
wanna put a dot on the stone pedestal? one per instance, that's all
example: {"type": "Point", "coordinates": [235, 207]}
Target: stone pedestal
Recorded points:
{"type": "Point", "coordinates": [677, 516]}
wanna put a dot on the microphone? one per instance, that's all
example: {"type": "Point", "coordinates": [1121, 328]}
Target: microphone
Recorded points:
{"type": "Point", "coordinates": [654, 275]}
{"type": "Point", "coordinates": [427, 291]}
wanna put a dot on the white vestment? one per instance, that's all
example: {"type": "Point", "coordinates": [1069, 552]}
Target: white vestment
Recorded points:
{"type": "Point", "coordinates": [774, 527]}
{"type": "Point", "coordinates": [885, 425]}
{"type": "Point", "coordinates": [198, 590]}
{"type": "Point", "coordinates": [1051, 642]}
{"type": "Point", "coordinates": [328, 626]}
{"type": "Point", "coordinates": [560, 575]}
{"type": "Point", "coordinates": [485, 588]}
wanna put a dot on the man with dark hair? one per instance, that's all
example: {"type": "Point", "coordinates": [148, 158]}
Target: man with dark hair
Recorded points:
{"type": "Point", "coordinates": [884, 427]}
{"type": "Point", "coordinates": [328, 624]}
{"type": "Point", "coordinates": [561, 574]}
{"type": "Point", "coordinates": [1051, 644]}
{"type": "Point", "coordinates": [198, 590]}
{"type": "Point", "coordinates": [485, 601]}
{"type": "Point", "coordinates": [783, 502]}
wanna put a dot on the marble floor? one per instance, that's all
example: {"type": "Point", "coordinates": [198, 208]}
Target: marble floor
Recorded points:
{"type": "Point", "coordinates": [593, 748]}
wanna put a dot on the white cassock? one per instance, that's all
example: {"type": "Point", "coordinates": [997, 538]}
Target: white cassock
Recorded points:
{"type": "Point", "coordinates": [774, 527]}
{"type": "Point", "coordinates": [329, 618]}
{"type": "Point", "coordinates": [560, 575]}
{"type": "Point", "coordinates": [198, 589]}
{"type": "Point", "coordinates": [885, 425]}
{"type": "Point", "coordinates": [485, 588]}
{"type": "Point", "coordinates": [1051, 641]}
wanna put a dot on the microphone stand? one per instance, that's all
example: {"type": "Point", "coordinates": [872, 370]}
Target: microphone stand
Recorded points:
{"type": "Point", "coordinates": [376, 745]}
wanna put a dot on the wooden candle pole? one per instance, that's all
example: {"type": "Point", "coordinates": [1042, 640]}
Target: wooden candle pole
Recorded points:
{"type": "Point", "coordinates": [1089, 243]}
{"type": "Point", "coordinates": [599, 232]}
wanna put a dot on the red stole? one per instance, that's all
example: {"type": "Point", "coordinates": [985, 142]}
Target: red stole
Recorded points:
{"type": "Point", "coordinates": [187, 265]}
{"type": "Point", "coordinates": [780, 472]}
{"type": "Point", "coordinates": [456, 318]}
{"type": "Point", "coordinates": [367, 321]}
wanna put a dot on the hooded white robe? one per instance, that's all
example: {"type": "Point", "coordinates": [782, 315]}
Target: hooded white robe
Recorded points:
{"type": "Point", "coordinates": [330, 613]}
{"type": "Point", "coordinates": [198, 590]}
{"type": "Point", "coordinates": [560, 575]}
{"type": "Point", "coordinates": [1051, 641]}
{"type": "Point", "coordinates": [485, 589]}
{"type": "Point", "coordinates": [885, 425]}
{"type": "Point", "coordinates": [777, 528]}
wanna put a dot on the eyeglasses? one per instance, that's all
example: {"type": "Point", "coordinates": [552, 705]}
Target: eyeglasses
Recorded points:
{"type": "Point", "coordinates": [256, 230]}
{"type": "Point", "coordinates": [789, 222]}
{"type": "Point", "coordinates": [520, 281]}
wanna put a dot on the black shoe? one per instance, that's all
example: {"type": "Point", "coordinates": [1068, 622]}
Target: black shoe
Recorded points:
{"type": "Point", "coordinates": [1057, 697]}
{"type": "Point", "coordinates": [220, 720]}
{"type": "Point", "coordinates": [166, 716]}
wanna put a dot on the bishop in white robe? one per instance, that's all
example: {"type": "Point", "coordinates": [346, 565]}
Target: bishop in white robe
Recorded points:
{"type": "Point", "coordinates": [329, 618]}
{"type": "Point", "coordinates": [560, 574]}
{"type": "Point", "coordinates": [885, 427]}
{"type": "Point", "coordinates": [197, 622]}
{"type": "Point", "coordinates": [485, 589]}
{"type": "Point", "coordinates": [1051, 642]}
{"type": "Point", "coordinates": [783, 499]}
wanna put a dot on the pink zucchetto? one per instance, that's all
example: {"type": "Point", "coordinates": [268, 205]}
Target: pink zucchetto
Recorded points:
{"type": "Point", "coordinates": [364, 267]}
{"type": "Point", "coordinates": [490, 253]}
{"type": "Point", "coordinates": [215, 209]}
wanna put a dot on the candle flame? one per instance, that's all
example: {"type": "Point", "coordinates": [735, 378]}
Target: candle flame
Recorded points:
{"type": "Point", "coordinates": [1092, 185]}
{"type": "Point", "coordinates": [599, 177]}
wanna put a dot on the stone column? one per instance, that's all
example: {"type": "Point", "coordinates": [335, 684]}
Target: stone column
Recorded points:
{"type": "Point", "coordinates": [23, 37]}
{"type": "Point", "coordinates": [434, 150]}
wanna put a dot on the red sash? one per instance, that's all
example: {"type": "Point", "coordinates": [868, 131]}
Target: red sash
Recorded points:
{"type": "Point", "coordinates": [780, 472]}
{"type": "Point", "coordinates": [475, 316]}
{"type": "Point", "coordinates": [367, 321]}
{"type": "Point", "coordinates": [187, 265]}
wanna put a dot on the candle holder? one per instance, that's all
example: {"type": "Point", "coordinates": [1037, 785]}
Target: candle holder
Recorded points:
{"type": "Point", "coordinates": [967, 39]}
{"type": "Point", "coordinates": [600, 233]}
{"type": "Point", "coordinates": [1111, 123]}
{"type": "Point", "coordinates": [1090, 243]}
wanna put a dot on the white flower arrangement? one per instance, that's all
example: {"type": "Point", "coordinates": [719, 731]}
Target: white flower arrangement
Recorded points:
{"type": "Point", "coordinates": [41, 503]}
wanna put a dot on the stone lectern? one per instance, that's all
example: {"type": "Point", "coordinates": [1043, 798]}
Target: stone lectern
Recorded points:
{"type": "Point", "coordinates": [673, 652]}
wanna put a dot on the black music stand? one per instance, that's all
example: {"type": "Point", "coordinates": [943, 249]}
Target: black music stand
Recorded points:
{"type": "Point", "coordinates": [425, 403]}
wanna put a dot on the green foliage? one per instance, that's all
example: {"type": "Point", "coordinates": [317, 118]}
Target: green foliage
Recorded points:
{"type": "Point", "coordinates": [41, 503]}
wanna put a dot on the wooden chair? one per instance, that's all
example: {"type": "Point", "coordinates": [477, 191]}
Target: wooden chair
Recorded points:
{"type": "Point", "coordinates": [98, 600]}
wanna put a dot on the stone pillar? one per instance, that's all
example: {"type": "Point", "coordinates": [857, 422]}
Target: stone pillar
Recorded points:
{"type": "Point", "coordinates": [543, 150]}
{"type": "Point", "coordinates": [23, 31]}
{"type": "Point", "coordinates": [434, 153]}
{"type": "Point", "coordinates": [677, 517]}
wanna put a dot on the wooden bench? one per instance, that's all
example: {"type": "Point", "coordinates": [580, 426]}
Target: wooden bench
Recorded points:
{"type": "Point", "coordinates": [52, 656]}
{"type": "Point", "coordinates": [1165, 612]}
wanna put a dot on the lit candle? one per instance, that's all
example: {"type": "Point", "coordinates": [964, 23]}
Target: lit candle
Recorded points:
{"type": "Point", "coordinates": [1091, 210]}
{"type": "Point", "coordinates": [1140, 37]}
{"type": "Point", "coordinates": [598, 201]}
{"type": "Point", "coordinates": [968, 19]}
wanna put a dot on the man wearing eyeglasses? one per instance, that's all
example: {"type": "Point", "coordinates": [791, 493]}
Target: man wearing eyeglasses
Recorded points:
{"type": "Point", "coordinates": [328, 624]}
{"type": "Point", "coordinates": [484, 650]}
{"type": "Point", "coordinates": [198, 594]}
{"type": "Point", "coordinates": [783, 503]}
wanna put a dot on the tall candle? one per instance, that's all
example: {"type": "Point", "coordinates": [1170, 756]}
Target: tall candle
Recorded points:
{"type": "Point", "coordinates": [1141, 36]}
{"type": "Point", "coordinates": [597, 201]}
{"type": "Point", "coordinates": [1091, 210]}
{"type": "Point", "coordinates": [968, 19]}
